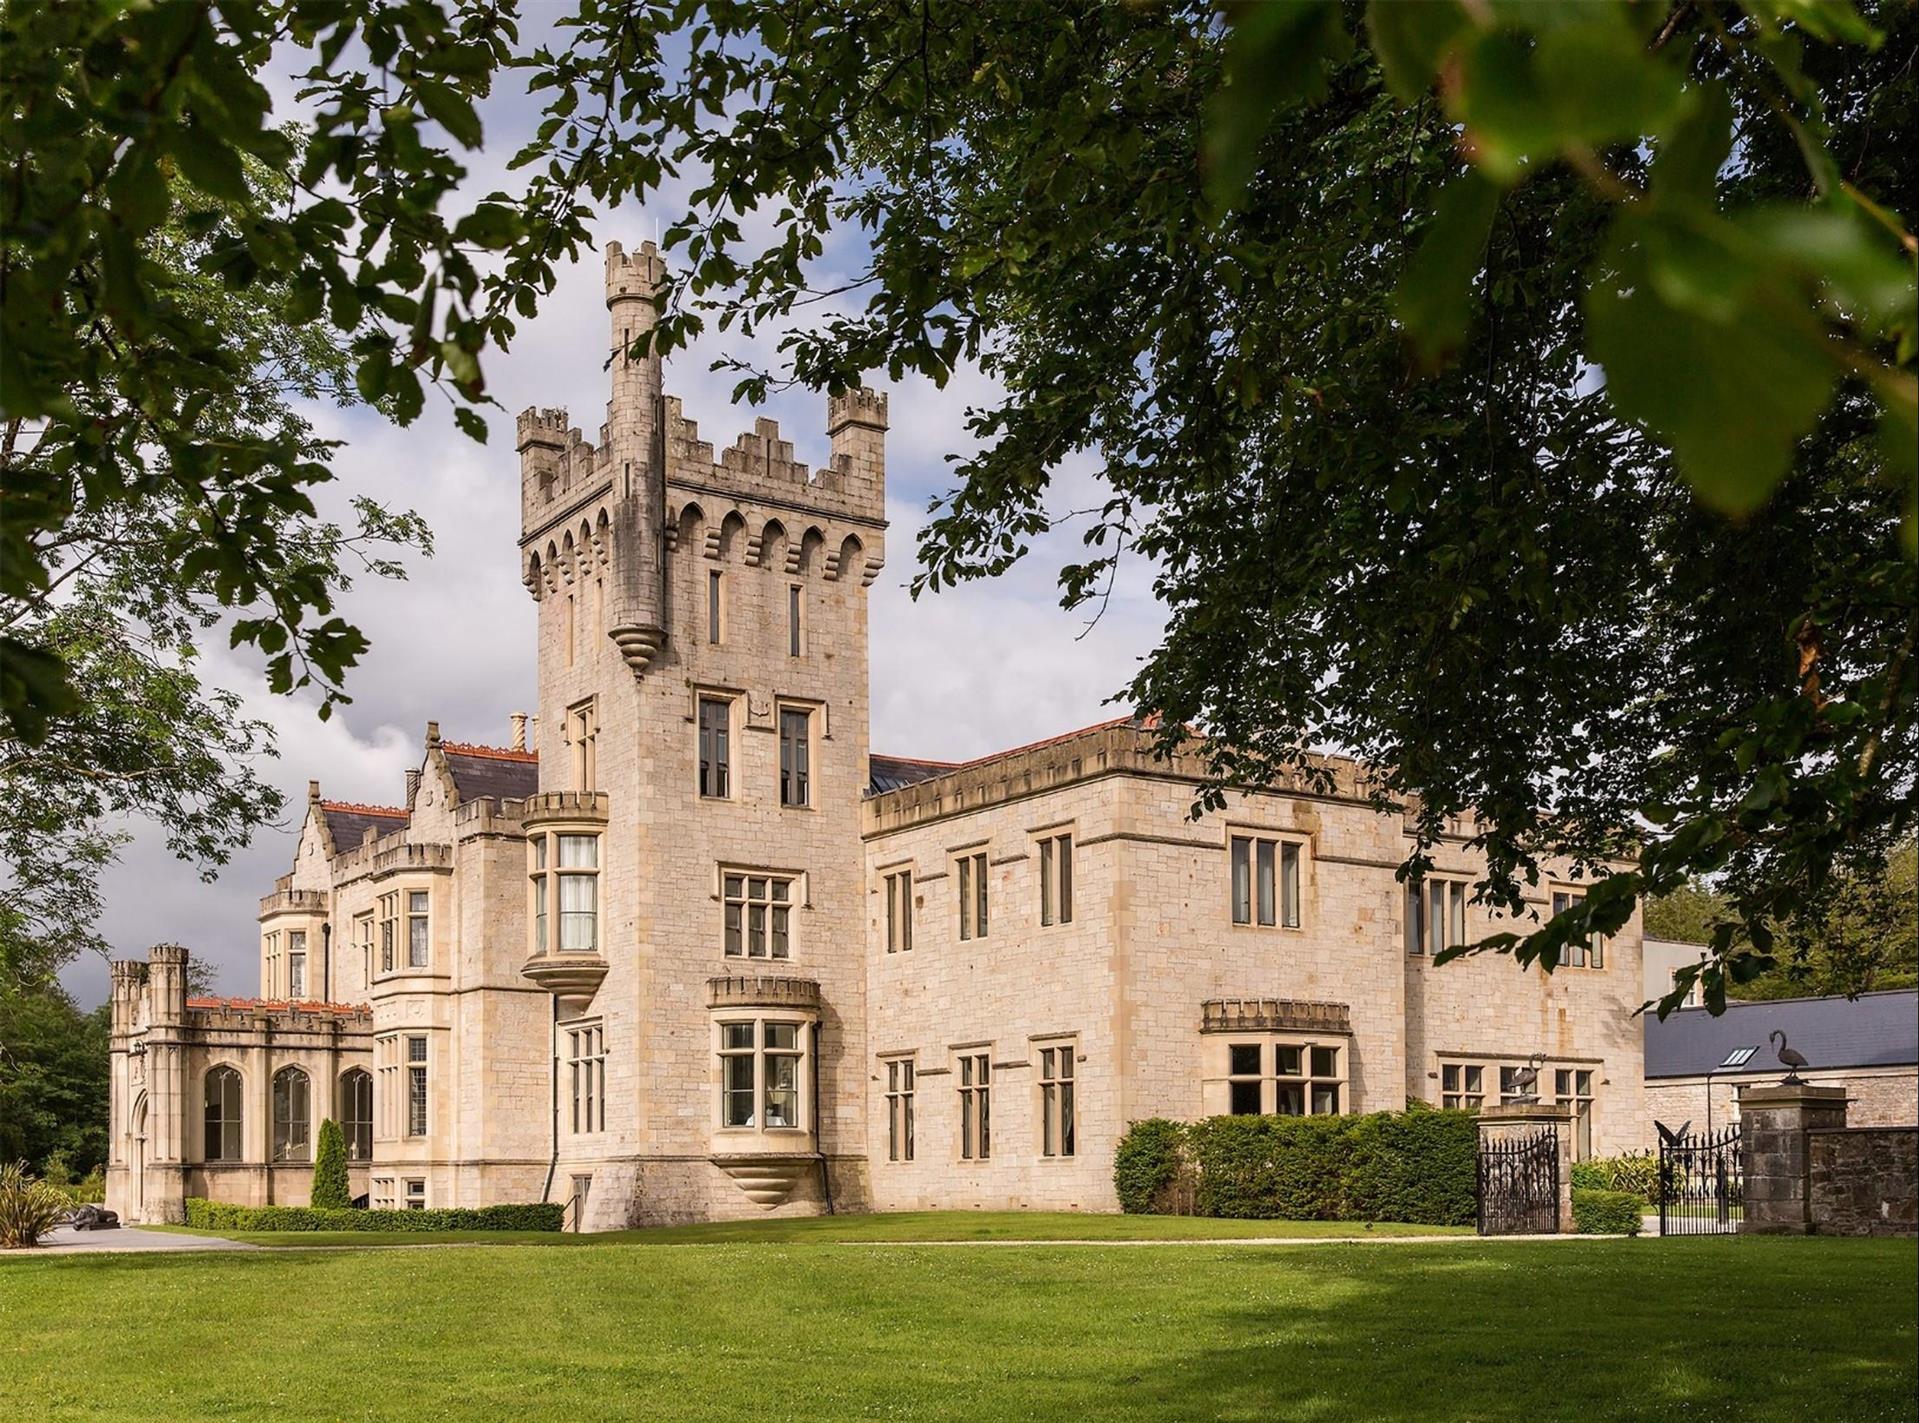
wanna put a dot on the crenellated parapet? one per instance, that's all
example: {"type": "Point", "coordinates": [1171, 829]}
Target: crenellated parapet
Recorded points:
{"type": "Point", "coordinates": [292, 901]}
{"type": "Point", "coordinates": [391, 855]}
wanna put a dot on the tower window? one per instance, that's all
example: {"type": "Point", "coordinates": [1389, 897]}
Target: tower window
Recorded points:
{"type": "Point", "coordinates": [716, 757]}
{"type": "Point", "coordinates": [714, 591]}
{"type": "Point", "coordinates": [796, 756]}
{"type": "Point", "coordinates": [793, 620]}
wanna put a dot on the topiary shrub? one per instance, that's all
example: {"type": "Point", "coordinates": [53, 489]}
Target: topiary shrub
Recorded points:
{"type": "Point", "coordinates": [1149, 1166]}
{"type": "Point", "coordinates": [219, 1215]}
{"type": "Point", "coordinates": [29, 1208]}
{"type": "Point", "coordinates": [1637, 1172]}
{"type": "Point", "coordinates": [1606, 1212]}
{"type": "Point", "coordinates": [331, 1189]}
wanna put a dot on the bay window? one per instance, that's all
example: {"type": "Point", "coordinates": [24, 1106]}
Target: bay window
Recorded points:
{"type": "Point", "coordinates": [761, 1074]}
{"type": "Point", "coordinates": [563, 879]}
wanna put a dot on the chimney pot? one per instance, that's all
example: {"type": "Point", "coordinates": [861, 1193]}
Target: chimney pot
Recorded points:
{"type": "Point", "coordinates": [518, 720]}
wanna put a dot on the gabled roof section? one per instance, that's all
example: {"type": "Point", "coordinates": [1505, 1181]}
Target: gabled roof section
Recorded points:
{"type": "Point", "coordinates": [500, 772]}
{"type": "Point", "coordinates": [1873, 1030]}
{"type": "Point", "coordinates": [348, 821]}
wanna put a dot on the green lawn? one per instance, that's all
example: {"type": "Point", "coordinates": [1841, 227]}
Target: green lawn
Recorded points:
{"type": "Point", "coordinates": [893, 1226]}
{"type": "Point", "coordinates": [1592, 1331]}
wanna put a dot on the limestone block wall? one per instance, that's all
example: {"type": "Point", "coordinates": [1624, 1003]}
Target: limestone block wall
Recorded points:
{"type": "Point", "coordinates": [1864, 1180]}
{"type": "Point", "coordinates": [1023, 987]}
{"type": "Point", "coordinates": [1184, 948]}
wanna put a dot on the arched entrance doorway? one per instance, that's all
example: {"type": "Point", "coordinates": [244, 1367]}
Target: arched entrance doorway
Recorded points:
{"type": "Point", "coordinates": [137, 1159]}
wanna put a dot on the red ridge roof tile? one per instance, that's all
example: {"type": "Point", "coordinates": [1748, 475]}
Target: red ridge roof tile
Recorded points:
{"type": "Point", "coordinates": [309, 1005]}
{"type": "Point", "coordinates": [353, 807]}
{"type": "Point", "coordinates": [496, 753]}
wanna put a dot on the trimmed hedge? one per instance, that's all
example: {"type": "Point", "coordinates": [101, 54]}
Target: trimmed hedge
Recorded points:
{"type": "Point", "coordinates": [1414, 1166]}
{"type": "Point", "coordinates": [1606, 1212]}
{"type": "Point", "coordinates": [1148, 1165]}
{"type": "Point", "coordinates": [219, 1215]}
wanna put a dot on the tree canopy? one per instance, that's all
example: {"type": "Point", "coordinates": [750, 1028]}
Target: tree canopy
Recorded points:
{"type": "Point", "coordinates": [1519, 397]}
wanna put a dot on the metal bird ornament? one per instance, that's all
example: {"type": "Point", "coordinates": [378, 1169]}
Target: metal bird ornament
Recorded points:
{"type": "Point", "coordinates": [1790, 1058]}
{"type": "Point", "coordinates": [1526, 1079]}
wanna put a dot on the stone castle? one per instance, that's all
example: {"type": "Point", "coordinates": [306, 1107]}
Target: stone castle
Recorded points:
{"type": "Point", "coordinates": [691, 950]}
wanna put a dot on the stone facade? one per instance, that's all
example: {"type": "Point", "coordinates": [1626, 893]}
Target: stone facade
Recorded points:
{"type": "Point", "coordinates": [685, 949]}
{"type": "Point", "coordinates": [1808, 1172]}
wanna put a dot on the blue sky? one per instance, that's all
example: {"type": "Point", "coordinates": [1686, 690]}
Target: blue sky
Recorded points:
{"type": "Point", "coordinates": [954, 675]}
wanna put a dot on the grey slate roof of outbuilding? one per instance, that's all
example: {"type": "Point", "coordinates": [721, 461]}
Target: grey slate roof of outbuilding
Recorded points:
{"type": "Point", "coordinates": [1873, 1030]}
{"type": "Point", "coordinates": [480, 771]}
{"type": "Point", "coordinates": [346, 825]}
{"type": "Point", "coordinates": [889, 773]}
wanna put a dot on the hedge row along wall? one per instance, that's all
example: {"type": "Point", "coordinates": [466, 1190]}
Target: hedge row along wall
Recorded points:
{"type": "Point", "coordinates": [1414, 1166]}
{"type": "Point", "coordinates": [218, 1215]}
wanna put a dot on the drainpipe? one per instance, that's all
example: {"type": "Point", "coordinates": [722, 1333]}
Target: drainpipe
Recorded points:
{"type": "Point", "coordinates": [326, 960]}
{"type": "Point", "coordinates": [819, 1145]}
{"type": "Point", "coordinates": [553, 1162]}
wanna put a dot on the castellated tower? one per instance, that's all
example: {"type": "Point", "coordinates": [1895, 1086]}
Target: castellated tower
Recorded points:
{"type": "Point", "coordinates": [695, 875]}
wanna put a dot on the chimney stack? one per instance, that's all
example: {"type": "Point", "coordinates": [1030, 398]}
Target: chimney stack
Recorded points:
{"type": "Point", "coordinates": [412, 787]}
{"type": "Point", "coordinates": [518, 719]}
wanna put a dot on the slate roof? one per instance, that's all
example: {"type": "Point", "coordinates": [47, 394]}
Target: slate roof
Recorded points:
{"type": "Point", "coordinates": [347, 823]}
{"type": "Point", "coordinates": [889, 773]}
{"type": "Point", "coordinates": [496, 771]}
{"type": "Point", "coordinates": [1873, 1030]}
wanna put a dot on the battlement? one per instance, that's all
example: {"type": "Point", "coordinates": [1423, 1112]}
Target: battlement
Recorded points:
{"type": "Point", "coordinates": [760, 463]}
{"type": "Point", "coordinates": [634, 275]}
{"type": "Point", "coordinates": [390, 854]}
{"type": "Point", "coordinates": [856, 407]}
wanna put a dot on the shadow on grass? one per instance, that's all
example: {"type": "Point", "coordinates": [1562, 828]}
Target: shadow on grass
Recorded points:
{"type": "Point", "coordinates": [1739, 1331]}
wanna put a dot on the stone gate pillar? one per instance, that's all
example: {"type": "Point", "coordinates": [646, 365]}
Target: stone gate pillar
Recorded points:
{"type": "Point", "coordinates": [1776, 1156]}
{"type": "Point", "coordinates": [1515, 1121]}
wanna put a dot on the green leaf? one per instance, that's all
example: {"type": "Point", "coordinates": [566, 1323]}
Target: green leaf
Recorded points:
{"type": "Point", "coordinates": [34, 687]}
{"type": "Point", "coordinates": [1276, 56]}
{"type": "Point", "coordinates": [1577, 85]}
{"type": "Point", "coordinates": [1434, 298]}
{"type": "Point", "coordinates": [1731, 396]}
{"type": "Point", "coordinates": [450, 109]}
{"type": "Point", "coordinates": [470, 423]}
{"type": "Point", "coordinates": [209, 163]}
{"type": "Point", "coordinates": [1413, 41]}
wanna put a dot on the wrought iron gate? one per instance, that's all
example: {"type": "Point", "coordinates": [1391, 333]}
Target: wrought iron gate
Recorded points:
{"type": "Point", "coordinates": [1518, 1185]}
{"type": "Point", "coordinates": [1701, 1185]}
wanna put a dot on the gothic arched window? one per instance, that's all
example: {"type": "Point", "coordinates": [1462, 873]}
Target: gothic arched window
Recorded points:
{"type": "Point", "coordinates": [292, 1115]}
{"type": "Point", "coordinates": [223, 1114]}
{"type": "Point", "coordinates": [356, 1113]}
